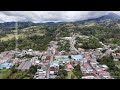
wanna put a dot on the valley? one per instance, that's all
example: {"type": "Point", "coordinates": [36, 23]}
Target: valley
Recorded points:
{"type": "Point", "coordinates": [87, 49]}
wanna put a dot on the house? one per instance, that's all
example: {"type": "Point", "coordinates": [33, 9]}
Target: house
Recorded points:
{"type": "Point", "coordinates": [89, 77]}
{"type": "Point", "coordinates": [24, 65]}
{"type": "Point", "coordinates": [47, 57]}
{"type": "Point", "coordinates": [63, 58]}
{"type": "Point", "coordinates": [35, 61]}
{"type": "Point", "coordinates": [54, 63]}
{"type": "Point", "coordinates": [104, 66]}
{"type": "Point", "coordinates": [51, 72]}
{"type": "Point", "coordinates": [30, 50]}
{"type": "Point", "coordinates": [40, 74]}
{"type": "Point", "coordinates": [69, 67]}
{"type": "Point", "coordinates": [6, 65]}
{"type": "Point", "coordinates": [74, 52]}
{"type": "Point", "coordinates": [54, 66]}
{"type": "Point", "coordinates": [77, 57]}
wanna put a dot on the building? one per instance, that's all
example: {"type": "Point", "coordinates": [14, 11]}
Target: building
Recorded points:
{"type": "Point", "coordinates": [89, 77]}
{"type": "Point", "coordinates": [24, 65]}
{"type": "Point", "coordinates": [6, 65]}
{"type": "Point", "coordinates": [63, 58]}
{"type": "Point", "coordinates": [69, 67]}
{"type": "Point", "coordinates": [77, 57]}
{"type": "Point", "coordinates": [40, 74]}
{"type": "Point", "coordinates": [35, 61]}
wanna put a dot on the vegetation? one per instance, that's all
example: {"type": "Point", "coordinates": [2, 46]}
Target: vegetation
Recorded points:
{"type": "Point", "coordinates": [33, 69]}
{"type": "Point", "coordinates": [71, 75]}
{"type": "Point", "coordinates": [36, 42]}
{"type": "Point", "coordinates": [113, 69]}
{"type": "Point", "coordinates": [91, 43]}
{"type": "Point", "coordinates": [13, 73]}
{"type": "Point", "coordinates": [64, 45]}
{"type": "Point", "coordinates": [38, 36]}
{"type": "Point", "coordinates": [4, 73]}
{"type": "Point", "coordinates": [26, 56]}
{"type": "Point", "coordinates": [77, 71]}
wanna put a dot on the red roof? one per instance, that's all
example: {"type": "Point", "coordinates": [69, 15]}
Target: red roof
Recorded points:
{"type": "Point", "coordinates": [102, 71]}
{"type": "Point", "coordinates": [47, 57]}
{"type": "Point", "coordinates": [85, 64]}
{"type": "Point", "coordinates": [69, 66]}
{"type": "Point", "coordinates": [73, 52]}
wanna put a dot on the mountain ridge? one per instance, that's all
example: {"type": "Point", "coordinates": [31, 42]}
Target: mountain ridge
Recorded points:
{"type": "Point", "coordinates": [109, 16]}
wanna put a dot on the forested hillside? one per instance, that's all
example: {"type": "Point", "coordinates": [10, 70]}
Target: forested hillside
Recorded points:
{"type": "Point", "coordinates": [38, 36]}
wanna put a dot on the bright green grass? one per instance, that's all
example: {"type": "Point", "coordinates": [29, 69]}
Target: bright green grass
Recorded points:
{"type": "Point", "coordinates": [71, 75]}
{"type": "Point", "coordinates": [4, 73]}
{"type": "Point", "coordinates": [10, 36]}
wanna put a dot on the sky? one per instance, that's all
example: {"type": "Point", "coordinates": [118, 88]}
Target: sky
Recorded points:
{"type": "Point", "coordinates": [50, 16]}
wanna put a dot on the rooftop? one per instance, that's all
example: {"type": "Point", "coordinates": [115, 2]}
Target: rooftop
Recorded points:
{"type": "Point", "coordinates": [77, 57]}
{"type": "Point", "coordinates": [5, 65]}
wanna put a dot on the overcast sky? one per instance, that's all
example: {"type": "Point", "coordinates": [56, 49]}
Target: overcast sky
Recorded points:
{"type": "Point", "coordinates": [50, 16]}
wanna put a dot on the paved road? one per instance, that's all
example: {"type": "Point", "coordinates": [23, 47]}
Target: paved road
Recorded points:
{"type": "Point", "coordinates": [51, 59]}
{"type": "Point", "coordinates": [72, 43]}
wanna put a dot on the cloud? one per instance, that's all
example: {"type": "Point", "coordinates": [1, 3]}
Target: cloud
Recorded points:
{"type": "Point", "coordinates": [50, 16]}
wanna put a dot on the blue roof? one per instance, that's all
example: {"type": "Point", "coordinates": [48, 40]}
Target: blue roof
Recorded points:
{"type": "Point", "coordinates": [5, 65]}
{"type": "Point", "coordinates": [56, 63]}
{"type": "Point", "coordinates": [77, 57]}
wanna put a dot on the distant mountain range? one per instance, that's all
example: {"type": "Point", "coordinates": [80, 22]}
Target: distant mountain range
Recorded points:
{"type": "Point", "coordinates": [9, 25]}
{"type": "Point", "coordinates": [110, 16]}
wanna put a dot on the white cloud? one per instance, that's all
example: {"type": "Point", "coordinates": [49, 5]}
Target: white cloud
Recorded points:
{"type": "Point", "coordinates": [49, 16]}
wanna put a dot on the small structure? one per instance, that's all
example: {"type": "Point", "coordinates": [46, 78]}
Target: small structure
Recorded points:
{"type": "Point", "coordinates": [35, 61]}
{"type": "Point", "coordinates": [51, 72]}
{"type": "Point", "coordinates": [30, 50]}
{"type": "Point", "coordinates": [89, 77]}
{"type": "Point", "coordinates": [40, 74]}
{"type": "Point", "coordinates": [6, 65]}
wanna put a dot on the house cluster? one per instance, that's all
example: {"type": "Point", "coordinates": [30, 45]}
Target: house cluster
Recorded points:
{"type": "Point", "coordinates": [50, 61]}
{"type": "Point", "coordinates": [6, 56]}
{"type": "Point", "coordinates": [6, 59]}
{"type": "Point", "coordinates": [116, 56]}
{"type": "Point", "coordinates": [91, 69]}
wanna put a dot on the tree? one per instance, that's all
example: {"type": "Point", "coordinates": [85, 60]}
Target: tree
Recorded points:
{"type": "Point", "coordinates": [69, 56]}
{"type": "Point", "coordinates": [108, 60]}
{"type": "Point", "coordinates": [91, 44]}
{"type": "Point", "coordinates": [13, 69]}
{"type": "Point", "coordinates": [61, 67]}
{"type": "Point", "coordinates": [62, 72]}
{"type": "Point", "coordinates": [77, 71]}
{"type": "Point", "coordinates": [33, 69]}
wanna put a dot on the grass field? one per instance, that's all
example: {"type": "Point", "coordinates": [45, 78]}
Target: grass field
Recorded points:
{"type": "Point", "coordinates": [10, 36]}
{"type": "Point", "coordinates": [4, 73]}
{"type": "Point", "coordinates": [22, 35]}
{"type": "Point", "coordinates": [71, 75]}
{"type": "Point", "coordinates": [34, 30]}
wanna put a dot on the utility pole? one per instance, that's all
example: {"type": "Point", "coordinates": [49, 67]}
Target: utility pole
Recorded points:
{"type": "Point", "coordinates": [16, 36]}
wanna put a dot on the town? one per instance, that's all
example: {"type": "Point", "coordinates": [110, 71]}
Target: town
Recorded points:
{"type": "Point", "coordinates": [51, 60]}
{"type": "Point", "coordinates": [60, 45]}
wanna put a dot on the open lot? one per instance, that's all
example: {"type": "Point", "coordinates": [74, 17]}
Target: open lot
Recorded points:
{"type": "Point", "coordinates": [10, 36]}
{"type": "Point", "coordinates": [71, 75]}
{"type": "Point", "coordinates": [4, 73]}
